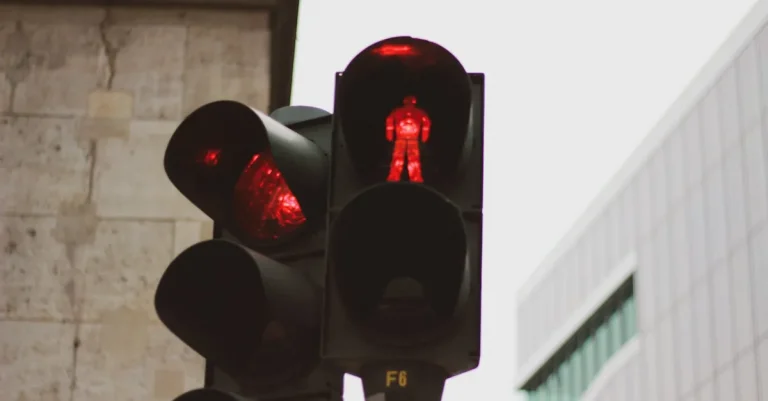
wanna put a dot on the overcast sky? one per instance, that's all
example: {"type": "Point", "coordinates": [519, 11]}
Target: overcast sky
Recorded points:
{"type": "Point", "coordinates": [571, 88]}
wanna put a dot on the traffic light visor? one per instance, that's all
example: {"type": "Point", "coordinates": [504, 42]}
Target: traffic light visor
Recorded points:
{"type": "Point", "coordinates": [404, 110]}
{"type": "Point", "coordinates": [398, 253]}
{"type": "Point", "coordinates": [221, 159]}
{"type": "Point", "coordinates": [224, 302]}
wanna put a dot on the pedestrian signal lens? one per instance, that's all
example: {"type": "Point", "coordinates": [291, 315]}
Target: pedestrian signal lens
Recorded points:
{"type": "Point", "coordinates": [403, 109]}
{"type": "Point", "coordinates": [407, 127]}
{"type": "Point", "coordinates": [387, 50]}
{"type": "Point", "coordinates": [201, 298]}
{"type": "Point", "coordinates": [264, 206]}
{"type": "Point", "coordinates": [403, 285]}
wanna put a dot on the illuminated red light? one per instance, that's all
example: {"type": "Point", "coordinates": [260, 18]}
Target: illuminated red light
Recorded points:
{"type": "Point", "coordinates": [265, 207]}
{"type": "Point", "coordinates": [387, 50]}
{"type": "Point", "coordinates": [407, 126]}
{"type": "Point", "coordinates": [211, 157]}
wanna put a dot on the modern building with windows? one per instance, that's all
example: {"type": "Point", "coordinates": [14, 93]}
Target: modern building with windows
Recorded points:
{"type": "Point", "coordinates": [660, 290]}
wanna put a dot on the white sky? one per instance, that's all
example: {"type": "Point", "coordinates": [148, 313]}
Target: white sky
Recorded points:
{"type": "Point", "coordinates": [571, 89]}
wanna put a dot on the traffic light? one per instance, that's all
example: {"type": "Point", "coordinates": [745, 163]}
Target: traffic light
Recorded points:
{"type": "Point", "coordinates": [402, 291]}
{"type": "Point", "coordinates": [249, 300]}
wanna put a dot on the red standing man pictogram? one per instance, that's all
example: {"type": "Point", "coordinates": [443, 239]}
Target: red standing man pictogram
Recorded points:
{"type": "Point", "coordinates": [407, 126]}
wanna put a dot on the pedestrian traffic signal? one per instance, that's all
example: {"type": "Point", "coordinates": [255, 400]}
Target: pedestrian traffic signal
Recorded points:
{"type": "Point", "coordinates": [388, 93]}
{"type": "Point", "coordinates": [407, 127]}
{"type": "Point", "coordinates": [247, 172]}
{"type": "Point", "coordinates": [405, 218]}
{"type": "Point", "coordinates": [249, 301]}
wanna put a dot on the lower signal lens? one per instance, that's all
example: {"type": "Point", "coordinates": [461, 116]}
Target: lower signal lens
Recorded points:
{"type": "Point", "coordinates": [265, 208]}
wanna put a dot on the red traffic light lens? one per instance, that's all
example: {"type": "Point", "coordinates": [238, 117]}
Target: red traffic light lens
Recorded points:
{"type": "Point", "coordinates": [408, 126]}
{"type": "Point", "coordinates": [211, 157]}
{"type": "Point", "coordinates": [403, 107]}
{"type": "Point", "coordinates": [415, 266]}
{"type": "Point", "coordinates": [388, 50]}
{"type": "Point", "coordinates": [264, 206]}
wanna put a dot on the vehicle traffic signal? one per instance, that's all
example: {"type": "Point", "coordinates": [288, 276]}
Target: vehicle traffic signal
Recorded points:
{"type": "Point", "coordinates": [250, 300]}
{"type": "Point", "coordinates": [402, 296]}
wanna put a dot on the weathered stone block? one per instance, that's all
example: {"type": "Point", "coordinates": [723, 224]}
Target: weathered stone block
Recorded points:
{"type": "Point", "coordinates": [6, 62]}
{"type": "Point", "coordinates": [105, 104]}
{"type": "Point", "coordinates": [123, 265]}
{"type": "Point", "coordinates": [188, 233]}
{"type": "Point", "coordinates": [226, 63]}
{"type": "Point", "coordinates": [62, 66]}
{"type": "Point", "coordinates": [9, 60]}
{"type": "Point", "coordinates": [51, 15]}
{"type": "Point", "coordinates": [36, 360]}
{"type": "Point", "coordinates": [153, 127]}
{"type": "Point", "coordinates": [243, 20]}
{"type": "Point", "coordinates": [99, 128]}
{"type": "Point", "coordinates": [76, 227]}
{"type": "Point", "coordinates": [149, 62]}
{"type": "Point", "coordinates": [130, 180]}
{"type": "Point", "coordinates": [147, 16]}
{"type": "Point", "coordinates": [5, 93]}
{"type": "Point", "coordinates": [37, 278]}
{"type": "Point", "coordinates": [137, 360]}
{"type": "Point", "coordinates": [169, 384]}
{"type": "Point", "coordinates": [43, 165]}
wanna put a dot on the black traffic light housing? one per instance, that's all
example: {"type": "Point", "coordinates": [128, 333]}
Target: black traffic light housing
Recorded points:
{"type": "Point", "coordinates": [402, 290]}
{"type": "Point", "coordinates": [223, 158]}
{"type": "Point", "coordinates": [254, 317]}
{"type": "Point", "coordinates": [249, 301]}
{"type": "Point", "coordinates": [381, 204]}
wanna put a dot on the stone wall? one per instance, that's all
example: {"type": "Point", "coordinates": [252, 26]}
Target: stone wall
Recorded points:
{"type": "Point", "coordinates": [88, 220]}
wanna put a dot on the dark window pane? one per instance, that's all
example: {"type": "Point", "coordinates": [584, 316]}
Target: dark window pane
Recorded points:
{"type": "Point", "coordinates": [553, 387]}
{"type": "Point", "coordinates": [602, 345]}
{"type": "Point", "coordinates": [616, 330]}
{"type": "Point", "coordinates": [577, 366]}
{"type": "Point", "coordinates": [590, 364]}
{"type": "Point", "coordinates": [566, 379]}
{"type": "Point", "coordinates": [630, 318]}
{"type": "Point", "coordinates": [541, 392]}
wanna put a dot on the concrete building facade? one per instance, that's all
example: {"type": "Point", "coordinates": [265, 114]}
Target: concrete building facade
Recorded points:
{"type": "Point", "coordinates": [89, 97]}
{"type": "Point", "coordinates": [660, 291]}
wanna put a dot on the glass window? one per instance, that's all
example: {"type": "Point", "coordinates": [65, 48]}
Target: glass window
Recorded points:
{"type": "Point", "coordinates": [566, 378]}
{"type": "Point", "coordinates": [629, 316]}
{"type": "Point", "coordinates": [577, 366]}
{"type": "Point", "coordinates": [553, 387]}
{"type": "Point", "coordinates": [616, 330]}
{"type": "Point", "coordinates": [602, 343]}
{"type": "Point", "coordinates": [590, 367]}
